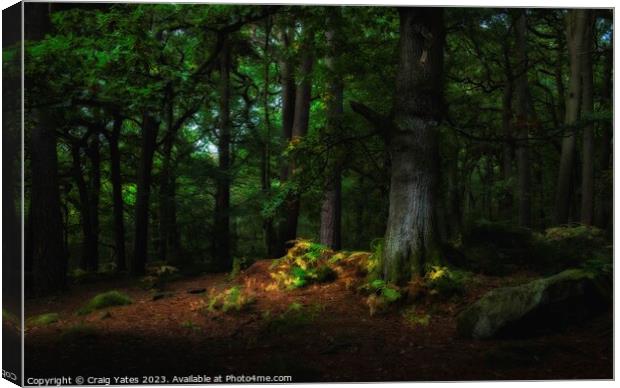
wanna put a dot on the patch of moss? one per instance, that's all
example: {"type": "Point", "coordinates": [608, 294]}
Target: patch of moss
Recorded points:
{"type": "Point", "coordinates": [104, 300]}
{"type": "Point", "coordinates": [43, 319]}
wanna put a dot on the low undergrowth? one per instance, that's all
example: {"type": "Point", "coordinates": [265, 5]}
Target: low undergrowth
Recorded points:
{"type": "Point", "coordinates": [43, 319]}
{"type": "Point", "coordinates": [304, 264]}
{"type": "Point", "coordinates": [233, 299]}
{"type": "Point", "coordinates": [105, 300]}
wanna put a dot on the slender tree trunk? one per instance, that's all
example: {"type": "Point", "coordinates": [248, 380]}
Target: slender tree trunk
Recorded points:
{"type": "Point", "coordinates": [576, 24]}
{"type": "Point", "coordinates": [168, 234]}
{"type": "Point", "coordinates": [221, 241]}
{"type": "Point", "coordinates": [411, 240]}
{"type": "Point", "coordinates": [523, 123]}
{"type": "Point", "coordinates": [150, 128]}
{"type": "Point", "coordinates": [117, 195]}
{"type": "Point", "coordinates": [604, 200]}
{"type": "Point", "coordinates": [94, 153]}
{"type": "Point", "coordinates": [287, 77]}
{"type": "Point", "coordinates": [300, 128]}
{"type": "Point", "coordinates": [587, 107]}
{"type": "Point", "coordinates": [506, 201]}
{"type": "Point", "coordinates": [269, 232]}
{"type": "Point", "coordinates": [331, 209]}
{"type": "Point", "coordinates": [49, 257]}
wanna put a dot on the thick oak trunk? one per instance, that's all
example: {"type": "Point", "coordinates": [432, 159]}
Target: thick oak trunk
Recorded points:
{"type": "Point", "coordinates": [411, 240]}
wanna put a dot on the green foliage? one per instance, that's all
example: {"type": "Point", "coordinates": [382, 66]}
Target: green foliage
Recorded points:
{"type": "Point", "coordinates": [233, 299]}
{"type": "Point", "coordinates": [446, 282]}
{"type": "Point", "coordinates": [305, 263]}
{"type": "Point", "coordinates": [105, 300]}
{"type": "Point", "coordinates": [43, 319]}
{"type": "Point", "coordinates": [373, 267]}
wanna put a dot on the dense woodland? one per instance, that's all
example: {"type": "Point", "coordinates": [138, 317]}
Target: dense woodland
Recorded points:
{"type": "Point", "coordinates": [333, 193]}
{"type": "Point", "coordinates": [206, 135]}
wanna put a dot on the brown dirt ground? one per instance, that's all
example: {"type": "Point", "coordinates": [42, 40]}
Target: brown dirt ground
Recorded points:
{"type": "Point", "coordinates": [342, 344]}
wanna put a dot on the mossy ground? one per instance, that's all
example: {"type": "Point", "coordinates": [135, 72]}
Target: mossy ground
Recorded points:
{"type": "Point", "coordinates": [105, 300]}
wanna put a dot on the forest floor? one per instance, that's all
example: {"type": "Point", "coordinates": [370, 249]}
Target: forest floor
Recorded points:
{"type": "Point", "coordinates": [331, 338]}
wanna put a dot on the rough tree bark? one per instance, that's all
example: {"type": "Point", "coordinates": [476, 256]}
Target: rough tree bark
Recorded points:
{"type": "Point", "coordinates": [150, 128]}
{"type": "Point", "coordinates": [587, 106]}
{"type": "Point", "coordinates": [411, 240]}
{"type": "Point", "coordinates": [331, 208]}
{"type": "Point", "coordinates": [576, 26]}
{"type": "Point", "coordinates": [221, 233]}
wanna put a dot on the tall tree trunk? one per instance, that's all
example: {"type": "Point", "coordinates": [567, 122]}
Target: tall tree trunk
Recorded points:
{"type": "Point", "coordinates": [150, 128]}
{"type": "Point", "coordinates": [411, 240]}
{"type": "Point", "coordinates": [94, 153]}
{"type": "Point", "coordinates": [168, 232]}
{"type": "Point", "coordinates": [49, 257]}
{"type": "Point", "coordinates": [331, 209]}
{"type": "Point", "coordinates": [287, 80]}
{"type": "Point", "coordinates": [576, 25]}
{"type": "Point", "coordinates": [604, 199]}
{"type": "Point", "coordinates": [506, 202]}
{"type": "Point", "coordinates": [221, 234]}
{"type": "Point", "coordinates": [587, 107]}
{"type": "Point", "coordinates": [117, 194]}
{"type": "Point", "coordinates": [523, 123]}
{"type": "Point", "coordinates": [269, 232]}
{"type": "Point", "coordinates": [288, 229]}
{"type": "Point", "coordinates": [85, 219]}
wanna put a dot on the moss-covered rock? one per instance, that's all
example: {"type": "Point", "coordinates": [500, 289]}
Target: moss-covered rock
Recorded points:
{"type": "Point", "coordinates": [43, 319]}
{"type": "Point", "coordinates": [104, 300]}
{"type": "Point", "coordinates": [568, 246]}
{"type": "Point", "coordinates": [570, 296]}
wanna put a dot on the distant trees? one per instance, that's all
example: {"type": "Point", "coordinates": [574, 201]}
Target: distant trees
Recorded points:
{"type": "Point", "coordinates": [221, 133]}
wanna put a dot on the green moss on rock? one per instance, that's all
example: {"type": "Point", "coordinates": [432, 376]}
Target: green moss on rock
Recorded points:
{"type": "Point", "coordinates": [569, 296]}
{"type": "Point", "coordinates": [104, 300]}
